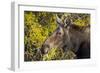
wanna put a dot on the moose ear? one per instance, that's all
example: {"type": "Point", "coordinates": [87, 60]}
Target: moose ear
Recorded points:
{"type": "Point", "coordinates": [67, 22]}
{"type": "Point", "coordinates": [59, 21]}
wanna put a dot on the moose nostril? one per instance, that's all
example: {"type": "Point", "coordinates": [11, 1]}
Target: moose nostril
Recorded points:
{"type": "Point", "coordinates": [45, 48]}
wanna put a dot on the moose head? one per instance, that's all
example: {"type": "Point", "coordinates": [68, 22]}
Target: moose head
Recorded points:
{"type": "Point", "coordinates": [59, 36]}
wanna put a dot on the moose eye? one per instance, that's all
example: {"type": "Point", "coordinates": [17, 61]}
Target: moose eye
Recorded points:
{"type": "Point", "coordinates": [58, 33]}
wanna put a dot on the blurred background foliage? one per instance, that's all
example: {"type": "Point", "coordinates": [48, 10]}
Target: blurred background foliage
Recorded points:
{"type": "Point", "coordinates": [38, 26]}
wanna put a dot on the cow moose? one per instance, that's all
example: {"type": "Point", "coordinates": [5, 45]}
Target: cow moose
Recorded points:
{"type": "Point", "coordinates": [69, 36]}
